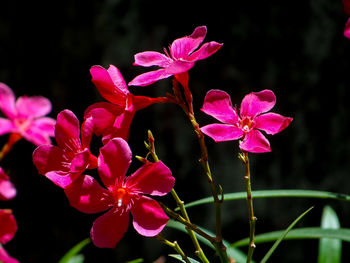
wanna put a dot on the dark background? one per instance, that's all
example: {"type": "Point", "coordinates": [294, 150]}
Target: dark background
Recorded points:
{"type": "Point", "coordinates": [295, 48]}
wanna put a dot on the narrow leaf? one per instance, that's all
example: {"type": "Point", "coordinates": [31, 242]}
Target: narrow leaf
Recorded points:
{"type": "Point", "coordinates": [77, 259]}
{"type": "Point", "coordinates": [233, 252]}
{"type": "Point", "coordinates": [139, 260]}
{"type": "Point", "coordinates": [279, 240]}
{"type": "Point", "coordinates": [74, 251]}
{"type": "Point", "coordinates": [329, 250]}
{"type": "Point", "coordinates": [178, 257]}
{"type": "Point", "coordinates": [295, 193]}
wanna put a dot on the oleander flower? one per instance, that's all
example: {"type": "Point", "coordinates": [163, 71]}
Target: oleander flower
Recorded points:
{"type": "Point", "coordinates": [122, 195]}
{"type": "Point", "coordinates": [346, 5]}
{"type": "Point", "coordinates": [183, 54]}
{"type": "Point", "coordinates": [25, 116]}
{"type": "Point", "coordinates": [8, 228]}
{"type": "Point", "coordinates": [7, 190]}
{"type": "Point", "coordinates": [245, 126]}
{"type": "Point", "coordinates": [114, 119]}
{"type": "Point", "coordinates": [64, 163]}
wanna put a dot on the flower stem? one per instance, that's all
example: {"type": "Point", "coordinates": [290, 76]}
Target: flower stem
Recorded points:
{"type": "Point", "coordinates": [173, 245]}
{"type": "Point", "coordinates": [205, 162]}
{"type": "Point", "coordinates": [252, 219]}
{"type": "Point", "coordinates": [14, 137]}
{"type": "Point", "coordinates": [179, 202]}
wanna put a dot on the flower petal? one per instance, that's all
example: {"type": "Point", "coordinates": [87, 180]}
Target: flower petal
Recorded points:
{"type": "Point", "coordinates": [217, 103]}
{"type": "Point", "coordinates": [149, 78]}
{"type": "Point", "coordinates": [206, 50]}
{"type": "Point", "coordinates": [6, 126]}
{"type": "Point", "coordinates": [272, 123]}
{"type": "Point", "coordinates": [178, 67]}
{"type": "Point", "coordinates": [33, 107]}
{"type": "Point", "coordinates": [256, 103]}
{"type": "Point", "coordinates": [7, 101]}
{"type": "Point", "coordinates": [149, 218]}
{"type": "Point", "coordinates": [8, 225]}
{"type": "Point", "coordinates": [151, 58]}
{"type": "Point", "coordinates": [67, 131]}
{"type": "Point", "coordinates": [62, 179]}
{"type": "Point", "coordinates": [222, 132]}
{"type": "Point", "coordinates": [5, 257]}
{"type": "Point", "coordinates": [152, 179]}
{"type": "Point", "coordinates": [39, 131]}
{"type": "Point", "coordinates": [346, 4]}
{"type": "Point", "coordinates": [113, 161]}
{"type": "Point", "coordinates": [48, 158]}
{"type": "Point", "coordinates": [7, 190]}
{"type": "Point", "coordinates": [109, 229]}
{"type": "Point", "coordinates": [347, 29]}
{"type": "Point", "coordinates": [110, 83]}
{"type": "Point", "coordinates": [183, 47]}
{"type": "Point", "coordinates": [255, 142]}
{"type": "Point", "coordinates": [86, 195]}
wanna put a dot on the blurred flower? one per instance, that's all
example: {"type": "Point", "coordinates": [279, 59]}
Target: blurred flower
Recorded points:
{"type": "Point", "coordinates": [123, 195]}
{"type": "Point", "coordinates": [7, 190]}
{"type": "Point", "coordinates": [253, 117]}
{"type": "Point", "coordinates": [8, 228]}
{"type": "Point", "coordinates": [114, 120]}
{"type": "Point", "coordinates": [64, 163]}
{"type": "Point", "coordinates": [346, 4]}
{"type": "Point", "coordinates": [25, 117]}
{"type": "Point", "coordinates": [182, 56]}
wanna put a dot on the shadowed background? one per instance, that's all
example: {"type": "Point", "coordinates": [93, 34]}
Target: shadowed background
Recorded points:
{"type": "Point", "coordinates": [294, 48]}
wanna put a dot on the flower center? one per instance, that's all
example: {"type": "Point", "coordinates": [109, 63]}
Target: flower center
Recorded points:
{"type": "Point", "coordinates": [246, 124]}
{"type": "Point", "coordinates": [122, 196]}
{"type": "Point", "coordinates": [22, 124]}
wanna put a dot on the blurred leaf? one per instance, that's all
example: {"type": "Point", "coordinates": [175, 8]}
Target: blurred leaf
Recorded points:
{"type": "Point", "coordinates": [178, 257]}
{"type": "Point", "coordinates": [74, 251]}
{"type": "Point", "coordinates": [329, 250]}
{"type": "Point", "coordinates": [275, 193]}
{"type": "Point", "coordinates": [138, 260]}
{"type": "Point", "coordinates": [77, 259]}
{"type": "Point", "coordinates": [279, 240]}
{"type": "Point", "coordinates": [299, 233]}
{"type": "Point", "coordinates": [233, 252]}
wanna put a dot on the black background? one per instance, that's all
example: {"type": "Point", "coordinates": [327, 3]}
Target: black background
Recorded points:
{"type": "Point", "coordinates": [295, 48]}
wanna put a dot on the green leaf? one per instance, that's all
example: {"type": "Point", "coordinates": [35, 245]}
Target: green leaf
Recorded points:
{"type": "Point", "coordinates": [233, 252]}
{"type": "Point", "coordinates": [178, 257]}
{"type": "Point", "coordinates": [74, 251]}
{"type": "Point", "coordinates": [77, 259]}
{"type": "Point", "coordinates": [275, 193]}
{"type": "Point", "coordinates": [299, 233]}
{"type": "Point", "coordinates": [139, 260]}
{"type": "Point", "coordinates": [279, 240]}
{"type": "Point", "coordinates": [329, 250]}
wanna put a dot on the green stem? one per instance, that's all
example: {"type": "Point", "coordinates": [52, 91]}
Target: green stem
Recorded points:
{"type": "Point", "coordinates": [252, 219]}
{"type": "Point", "coordinates": [173, 245]}
{"type": "Point", "coordinates": [205, 162]}
{"type": "Point", "coordinates": [180, 204]}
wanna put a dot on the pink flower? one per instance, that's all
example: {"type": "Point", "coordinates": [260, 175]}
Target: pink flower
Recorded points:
{"type": "Point", "coordinates": [246, 125]}
{"type": "Point", "coordinates": [347, 29]}
{"type": "Point", "coordinates": [8, 228]}
{"type": "Point", "coordinates": [7, 190]}
{"type": "Point", "coordinates": [64, 163]}
{"type": "Point", "coordinates": [182, 56]}
{"type": "Point", "coordinates": [346, 4]}
{"type": "Point", "coordinates": [114, 120]}
{"type": "Point", "coordinates": [26, 116]}
{"type": "Point", "coordinates": [122, 195]}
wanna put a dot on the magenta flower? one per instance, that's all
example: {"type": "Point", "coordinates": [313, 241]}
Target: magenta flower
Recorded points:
{"type": "Point", "coordinates": [246, 125]}
{"type": "Point", "coordinates": [25, 116]}
{"type": "Point", "coordinates": [114, 120]}
{"type": "Point", "coordinates": [183, 54]}
{"type": "Point", "coordinates": [346, 4]}
{"type": "Point", "coordinates": [8, 228]}
{"type": "Point", "coordinates": [122, 195]}
{"type": "Point", "coordinates": [7, 190]}
{"type": "Point", "coordinates": [64, 163]}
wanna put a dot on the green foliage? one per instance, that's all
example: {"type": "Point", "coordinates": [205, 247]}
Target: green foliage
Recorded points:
{"type": "Point", "coordinates": [178, 257]}
{"type": "Point", "coordinates": [72, 255]}
{"type": "Point", "coordinates": [329, 249]}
